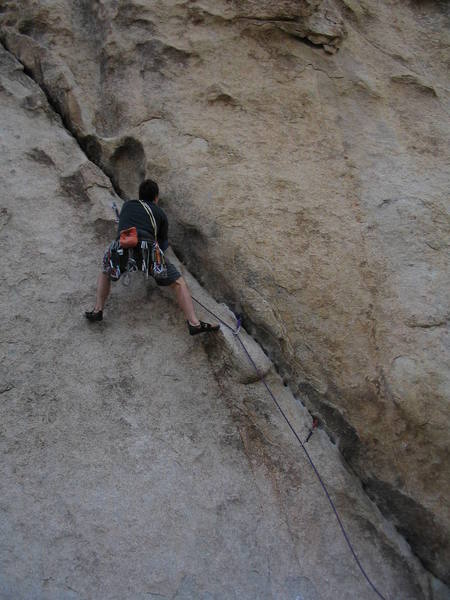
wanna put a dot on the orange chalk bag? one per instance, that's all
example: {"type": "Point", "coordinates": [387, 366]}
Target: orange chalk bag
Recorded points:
{"type": "Point", "coordinates": [128, 238]}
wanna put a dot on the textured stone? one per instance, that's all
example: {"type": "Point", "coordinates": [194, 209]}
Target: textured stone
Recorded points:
{"type": "Point", "coordinates": [247, 366]}
{"type": "Point", "coordinates": [309, 191]}
{"type": "Point", "coordinates": [133, 464]}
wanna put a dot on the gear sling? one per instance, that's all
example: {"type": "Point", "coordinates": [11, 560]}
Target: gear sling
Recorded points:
{"type": "Point", "coordinates": [153, 257]}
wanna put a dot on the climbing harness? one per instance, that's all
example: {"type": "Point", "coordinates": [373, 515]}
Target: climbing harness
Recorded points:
{"type": "Point", "coordinates": [123, 255]}
{"type": "Point", "coordinates": [310, 460]}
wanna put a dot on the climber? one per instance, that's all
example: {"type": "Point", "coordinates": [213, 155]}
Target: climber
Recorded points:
{"type": "Point", "coordinates": [150, 222]}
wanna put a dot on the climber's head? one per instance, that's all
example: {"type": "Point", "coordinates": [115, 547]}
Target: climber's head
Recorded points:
{"type": "Point", "coordinates": [149, 191]}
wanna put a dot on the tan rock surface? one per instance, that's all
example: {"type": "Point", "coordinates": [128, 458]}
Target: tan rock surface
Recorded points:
{"type": "Point", "coordinates": [133, 462]}
{"type": "Point", "coordinates": [308, 190]}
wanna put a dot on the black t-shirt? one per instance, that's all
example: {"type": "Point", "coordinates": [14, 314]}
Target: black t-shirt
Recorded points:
{"type": "Point", "coordinates": [133, 214]}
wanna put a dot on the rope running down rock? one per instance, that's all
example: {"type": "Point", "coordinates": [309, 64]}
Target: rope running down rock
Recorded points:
{"type": "Point", "coordinates": [314, 468]}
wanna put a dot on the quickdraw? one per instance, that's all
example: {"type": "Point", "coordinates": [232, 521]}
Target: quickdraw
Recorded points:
{"type": "Point", "coordinates": [315, 425]}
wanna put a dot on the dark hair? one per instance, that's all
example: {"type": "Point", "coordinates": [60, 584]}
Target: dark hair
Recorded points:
{"type": "Point", "coordinates": [148, 190]}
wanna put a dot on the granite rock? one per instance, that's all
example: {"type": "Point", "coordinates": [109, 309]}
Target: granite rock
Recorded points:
{"type": "Point", "coordinates": [302, 152]}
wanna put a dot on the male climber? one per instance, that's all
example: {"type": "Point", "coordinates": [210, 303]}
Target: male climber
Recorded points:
{"type": "Point", "coordinates": [135, 214]}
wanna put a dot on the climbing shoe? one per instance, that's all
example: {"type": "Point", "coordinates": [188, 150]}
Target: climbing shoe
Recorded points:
{"type": "Point", "coordinates": [92, 315]}
{"type": "Point", "coordinates": [202, 328]}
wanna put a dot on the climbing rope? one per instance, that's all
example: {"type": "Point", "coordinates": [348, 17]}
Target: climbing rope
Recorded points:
{"type": "Point", "coordinates": [314, 468]}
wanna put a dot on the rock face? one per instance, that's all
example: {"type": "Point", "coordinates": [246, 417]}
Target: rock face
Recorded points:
{"type": "Point", "coordinates": [134, 462]}
{"type": "Point", "coordinates": [302, 151]}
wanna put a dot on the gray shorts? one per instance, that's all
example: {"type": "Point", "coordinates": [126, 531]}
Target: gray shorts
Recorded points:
{"type": "Point", "coordinates": [172, 272]}
{"type": "Point", "coordinates": [172, 275]}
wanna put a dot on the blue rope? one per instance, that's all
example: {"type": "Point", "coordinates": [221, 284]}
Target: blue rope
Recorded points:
{"type": "Point", "coordinates": [314, 468]}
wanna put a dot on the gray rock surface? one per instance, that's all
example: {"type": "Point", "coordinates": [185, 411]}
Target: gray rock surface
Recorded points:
{"type": "Point", "coordinates": [134, 463]}
{"type": "Point", "coordinates": [307, 188]}
{"type": "Point", "coordinates": [247, 366]}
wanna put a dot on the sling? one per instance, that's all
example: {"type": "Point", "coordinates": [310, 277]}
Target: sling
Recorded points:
{"type": "Point", "coordinates": [156, 263]}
